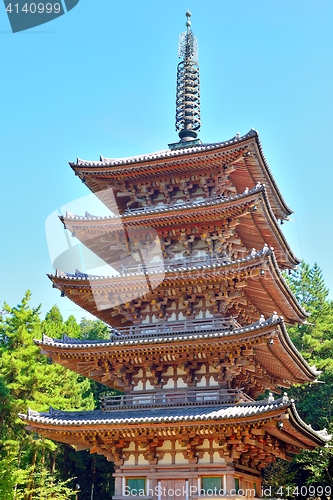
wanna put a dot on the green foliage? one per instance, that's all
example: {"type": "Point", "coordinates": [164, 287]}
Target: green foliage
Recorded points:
{"type": "Point", "coordinates": [278, 474]}
{"type": "Point", "coordinates": [92, 473]}
{"type": "Point", "coordinates": [27, 379]}
{"type": "Point", "coordinates": [94, 330]}
{"type": "Point", "coordinates": [12, 477]}
{"type": "Point", "coordinates": [314, 339]}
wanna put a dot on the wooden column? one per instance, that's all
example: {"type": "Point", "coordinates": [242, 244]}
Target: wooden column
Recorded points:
{"type": "Point", "coordinates": [230, 479]}
{"type": "Point", "coordinates": [118, 487]}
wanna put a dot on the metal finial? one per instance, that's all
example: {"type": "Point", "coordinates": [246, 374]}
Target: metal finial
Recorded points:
{"type": "Point", "coordinates": [188, 22]}
{"type": "Point", "coordinates": [188, 85]}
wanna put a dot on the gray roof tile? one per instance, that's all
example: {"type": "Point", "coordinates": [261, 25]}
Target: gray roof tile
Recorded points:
{"type": "Point", "coordinates": [215, 412]}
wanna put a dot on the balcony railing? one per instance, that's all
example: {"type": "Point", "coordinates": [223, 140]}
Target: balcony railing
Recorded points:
{"type": "Point", "coordinates": [176, 327]}
{"type": "Point", "coordinates": [178, 204]}
{"type": "Point", "coordinates": [188, 398]}
{"type": "Point", "coordinates": [167, 264]}
{"type": "Point", "coordinates": [192, 261]}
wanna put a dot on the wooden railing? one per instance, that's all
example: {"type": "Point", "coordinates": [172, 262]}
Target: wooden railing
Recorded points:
{"type": "Point", "coordinates": [179, 204]}
{"type": "Point", "coordinates": [176, 327]}
{"type": "Point", "coordinates": [161, 399]}
{"type": "Point", "coordinates": [167, 264]}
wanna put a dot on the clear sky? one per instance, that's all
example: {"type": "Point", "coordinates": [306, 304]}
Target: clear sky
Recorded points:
{"type": "Point", "coordinates": [100, 80]}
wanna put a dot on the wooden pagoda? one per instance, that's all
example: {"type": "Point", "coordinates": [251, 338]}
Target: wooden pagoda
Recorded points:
{"type": "Point", "coordinates": [197, 307]}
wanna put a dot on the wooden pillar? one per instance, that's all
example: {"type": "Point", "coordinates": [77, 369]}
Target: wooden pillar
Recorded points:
{"type": "Point", "coordinates": [152, 489]}
{"type": "Point", "coordinates": [193, 486]}
{"type": "Point", "coordinates": [230, 482]}
{"type": "Point", "coordinates": [118, 487]}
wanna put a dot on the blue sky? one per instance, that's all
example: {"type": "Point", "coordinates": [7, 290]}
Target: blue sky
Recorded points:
{"type": "Point", "coordinates": [100, 80]}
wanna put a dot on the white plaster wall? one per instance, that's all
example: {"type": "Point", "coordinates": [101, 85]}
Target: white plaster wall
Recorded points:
{"type": "Point", "coordinates": [166, 460]}
{"type": "Point", "coordinates": [217, 459]}
{"type": "Point", "coordinates": [205, 459]}
{"type": "Point", "coordinates": [179, 459]}
{"type": "Point", "coordinates": [205, 444]}
{"type": "Point", "coordinates": [169, 385]}
{"type": "Point", "coordinates": [180, 383]}
{"type": "Point", "coordinates": [130, 461]}
{"type": "Point", "coordinates": [138, 387]}
{"type": "Point", "coordinates": [166, 446]}
{"type": "Point", "coordinates": [142, 460]}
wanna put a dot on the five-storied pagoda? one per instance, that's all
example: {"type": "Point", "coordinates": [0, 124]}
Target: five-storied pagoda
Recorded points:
{"type": "Point", "coordinates": [198, 309]}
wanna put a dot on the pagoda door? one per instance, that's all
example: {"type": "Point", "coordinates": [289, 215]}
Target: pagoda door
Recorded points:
{"type": "Point", "coordinates": [173, 489]}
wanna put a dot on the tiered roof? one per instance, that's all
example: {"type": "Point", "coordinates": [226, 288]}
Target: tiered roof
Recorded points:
{"type": "Point", "coordinates": [271, 428]}
{"type": "Point", "coordinates": [257, 224]}
{"type": "Point", "coordinates": [257, 276]}
{"type": "Point", "coordinates": [204, 340]}
{"type": "Point", "coordinates": [199, 199]}
{"type": "Point", "coordinates": [243, 153]}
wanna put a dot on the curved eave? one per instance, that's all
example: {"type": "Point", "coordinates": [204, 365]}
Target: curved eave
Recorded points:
{"type": "Point", "coordinates": [278, 194]}
{"type": "Point", "coordinates": [320, 437]}
{"type": "Point", "coordinates": [288, 366]}
{"type": "Point", "coordinates": [166, 161]}
{"type": "Point", "coordinates": [283, 286]}
{"type": "Point", "coordinates": [282, 350]}
{"type": "Point", "coordinates": [242, 413]}
{"type": "Point", "coordinates": [294, 431]}
{"type": "Point", "coordinates": [88, 230]}
{"type": "Point", "coordinates": [268, 292]}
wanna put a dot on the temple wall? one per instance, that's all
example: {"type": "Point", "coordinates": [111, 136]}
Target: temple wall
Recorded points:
{"type": "Point", "coordinates": [185, 482]}
{"type": "Point", "coordinates": [173, 378]}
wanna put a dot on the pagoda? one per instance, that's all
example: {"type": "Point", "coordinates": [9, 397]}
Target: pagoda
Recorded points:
{"type": "Point", "coordinates": [198, 309]}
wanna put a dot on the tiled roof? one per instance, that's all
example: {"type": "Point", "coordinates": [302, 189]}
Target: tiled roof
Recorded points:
{"type": "Point", "coordinates": [174, 208]}
{"type": "Point", "coordinates": [260, 409]}
{"type": "Point", "coordinates": [207, 270]}
{"type": "Point", "coordinates": [78, 275]}
{"type": "Point", "coordinates": [213, 265]}
{"type": "Point", "coordinates": [257, 329]}
{"type": "Point", "coordinates": [165, 153]}
{"type": "Point", "coordinates": [223, 412]}
{"type": "Point", "coordinates": [128, 339]}
{"type": "Point", "coordinates": [236, 141]}
{"type": "Point", "coordinates": [148, 216]}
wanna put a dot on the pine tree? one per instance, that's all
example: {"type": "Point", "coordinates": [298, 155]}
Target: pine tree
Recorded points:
{"type": "Point", "coordinates": [27, 379]}
{"type": "Point", "coordinates": [314, 339]}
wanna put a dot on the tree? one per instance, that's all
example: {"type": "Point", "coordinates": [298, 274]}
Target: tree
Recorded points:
{"type": "Point", "coordinates": [94, 330]}
{"type": "Point", "coordinates": [314, 339]}
{"type": "Point", "coordinates": [27, 379]}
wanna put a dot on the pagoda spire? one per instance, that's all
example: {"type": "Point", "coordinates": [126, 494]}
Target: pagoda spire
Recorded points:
{"type": "Point", "coordinates": [188, 90]}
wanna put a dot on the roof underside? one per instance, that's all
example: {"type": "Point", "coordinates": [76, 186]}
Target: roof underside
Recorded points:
{"type": "Point", "coordinates": [256, 226]}
{"type": "Point", "coordinates": [244, 152]}
{"type": "Point", "coordinates": [258, 276]}
{"type": "Point", "coordinates": [278, 357]}
{"type": "Point", "coordinates": [295, 432]}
